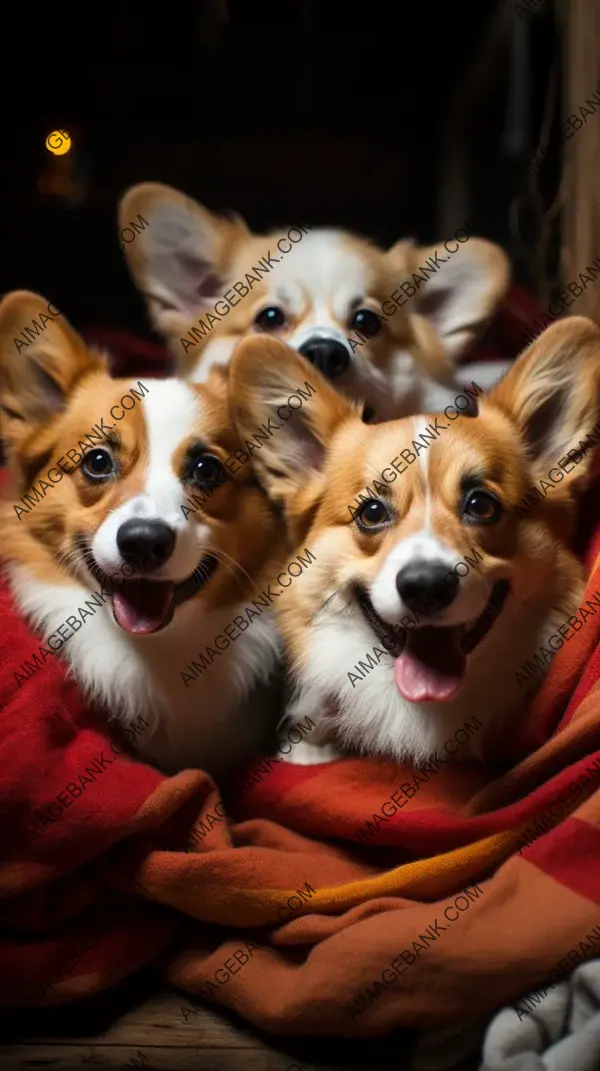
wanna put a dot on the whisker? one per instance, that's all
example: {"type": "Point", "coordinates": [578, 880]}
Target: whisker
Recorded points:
{"type": "Point", "coordinates": [69, 556]}
{"type": "Point", "coordinates": [201, 571]}
{"type": "Point", "coordinates": [228, 562]}
{"type": "Point", "coordinates": [324, 605]}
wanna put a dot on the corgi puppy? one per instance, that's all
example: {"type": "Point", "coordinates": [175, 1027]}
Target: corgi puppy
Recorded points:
{"type": "Point", "coordinates": [121, 500]}
{"type": "Point", "coordinates": [424, 558]}
{"type": "Point", "coordinates": [387, 327]}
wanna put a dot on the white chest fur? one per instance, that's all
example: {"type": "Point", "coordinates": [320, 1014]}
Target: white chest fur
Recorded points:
{"type": "Point", "coordinates": [204, 721]}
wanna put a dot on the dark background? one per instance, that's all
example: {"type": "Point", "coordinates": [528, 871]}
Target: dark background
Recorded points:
{"type": "Point", "coordinates": [355, 115]}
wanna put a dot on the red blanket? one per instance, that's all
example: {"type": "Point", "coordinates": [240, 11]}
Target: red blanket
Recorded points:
{"type": "Point", "coordinates": [346, 899]}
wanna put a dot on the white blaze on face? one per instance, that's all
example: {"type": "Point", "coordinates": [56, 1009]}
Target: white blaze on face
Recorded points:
{"type": "Point", "coordinates": [431, 665]}
{"type": "Point", "coordinates": [423, 545]}
{"type": "Point", "coordinates": [320, 284]}
{"type": "Point", "coordinates": [317, 282]}
{"type": "Point", "coordinates": [172, 414]}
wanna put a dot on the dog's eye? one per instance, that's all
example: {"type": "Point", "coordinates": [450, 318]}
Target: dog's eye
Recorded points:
{"type": "Point", "coordinates": [372, 514]}
{"type": "Point", "coordinates": [207, 471]}
{"type": "Point", "coordinates": [270, 319]}
{"type": "Point", "coordinates": [97, 465]}
{"type": "Point", "coordinates": [481, 507]}
{"type": "Point", "coordinates": [367, 321]}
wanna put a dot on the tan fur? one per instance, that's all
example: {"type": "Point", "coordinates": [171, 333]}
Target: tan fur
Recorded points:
{"type": "Point", "coordinates": [234, 249]}
{"type": "Point", "coordinates": [501, 445]}
{"type": "Point", "coordinates": [44, 541]}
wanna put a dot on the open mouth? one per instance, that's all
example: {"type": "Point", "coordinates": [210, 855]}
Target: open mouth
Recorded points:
{"type": "Point", "coordinates": [142, 606]}
{"type": "Point", "coordinates": [430, 661]}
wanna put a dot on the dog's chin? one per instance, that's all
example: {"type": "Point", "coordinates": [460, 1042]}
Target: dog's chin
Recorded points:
{"type": "Point", "coordinates": [430, 661]}
{"type": "Point", "coordinates": [142, 606]}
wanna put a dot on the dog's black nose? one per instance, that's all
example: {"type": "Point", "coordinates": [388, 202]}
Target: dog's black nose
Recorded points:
{"type": "Point", "coordinates": [425, 587]}
{"type": "Point", "coordinates": [330, 357]}
{"type": "Point", "coordinates": [145, 545]}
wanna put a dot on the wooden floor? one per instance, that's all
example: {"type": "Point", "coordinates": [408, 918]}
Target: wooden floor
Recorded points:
{"type": "Point", "coordinates": [154, 1033]}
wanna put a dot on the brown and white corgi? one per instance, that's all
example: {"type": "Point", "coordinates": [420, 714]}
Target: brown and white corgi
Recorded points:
{"type": "Point", "coordinates": [391, 511]}
{"type": "Point", "coordinates": [122, 500]}
{"type": "Point", "coordinates": [388, 327]}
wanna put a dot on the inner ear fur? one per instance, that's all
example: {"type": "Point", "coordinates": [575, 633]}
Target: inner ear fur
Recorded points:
{"type": "Point", "coordinates": [180, 255]}
{"type": "Point", "coordinates": [264, 375]}
{"type": "Point", "coordinates": [37, 376]}
{"type": "Point", "coordinates": [552, 393]}
{"type": "Point", "coordinates": [459, 292]}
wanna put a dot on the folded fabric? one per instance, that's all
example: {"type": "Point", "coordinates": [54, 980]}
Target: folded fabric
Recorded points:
{"type": "Point", "coordinates": [557, 1030]}
{"type": "Point", "coordinates": [347, 898]}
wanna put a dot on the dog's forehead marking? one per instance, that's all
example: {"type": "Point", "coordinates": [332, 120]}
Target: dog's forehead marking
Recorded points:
{"type": "Point", "coordinates": [423, 543]}
{"type": "Point", "coordinates": [420, 425]}
{"type": "Point", "coordinates": [326, 270]}
{"type": "Point", "coordinates": [171, 412]}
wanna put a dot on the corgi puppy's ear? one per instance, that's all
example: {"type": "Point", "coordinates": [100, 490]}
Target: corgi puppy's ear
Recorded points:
{"type": "Point", "coordinates": [552, 394]}
{"type": "Point", "coordinates": [457, 300]}
{"type": "Point", "coordinates": [272, 387]}
{"type": "Point", "coordinates": [42, 359]}
{"type": "Point", "coordinates": [178, 259]}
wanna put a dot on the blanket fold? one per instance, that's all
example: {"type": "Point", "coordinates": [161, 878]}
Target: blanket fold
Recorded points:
{"type": "Point", "coordinates": [348, 898]}
{"type": "Point", "coordinates": [400, 894]}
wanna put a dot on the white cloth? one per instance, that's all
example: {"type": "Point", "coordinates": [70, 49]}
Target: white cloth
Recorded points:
{"type": "Point", "coordinates": [561, 1033]}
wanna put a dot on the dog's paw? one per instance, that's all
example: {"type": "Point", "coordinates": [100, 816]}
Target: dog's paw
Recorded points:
{"type": "Point", "coordinates": [305, 754]}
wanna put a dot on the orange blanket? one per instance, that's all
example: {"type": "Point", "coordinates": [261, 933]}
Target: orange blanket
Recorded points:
{"type": "Point", "coordinates": [345, 899]}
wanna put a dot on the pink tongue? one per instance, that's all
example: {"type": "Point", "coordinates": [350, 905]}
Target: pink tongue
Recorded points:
{"type": "Point", "coordinates": [141, 606]}
{"type": "Point", "coordinates": [432, 665]}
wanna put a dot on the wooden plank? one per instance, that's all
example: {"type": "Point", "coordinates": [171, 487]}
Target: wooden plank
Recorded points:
{"type": "Point", "coordinates": [159, 1021]}
{"type": "Point", "coordinates": [154, 1034]}
{"type": "Point", "coordinates": [154, 1058]}
{"type": "Point", "coordinates": [580, 147]}
{"type": "Point", "coordinates": [74, 1057]}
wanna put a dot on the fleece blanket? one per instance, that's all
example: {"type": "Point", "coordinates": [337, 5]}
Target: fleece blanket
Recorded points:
{"type": "Point", "coordinates": [347, 899]}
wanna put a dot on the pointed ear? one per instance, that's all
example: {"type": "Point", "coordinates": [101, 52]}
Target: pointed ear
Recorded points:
{"type": "Point", "coordinates": [41, 361]}
{"type": "Point", "coordinates": [276, 392]}
{"type": "Point", "coordinates": [552, 393]}
{"type": "Point", "coordinates": [180, 253]}
{"type": "Point", "coordinates": [459, 296]}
